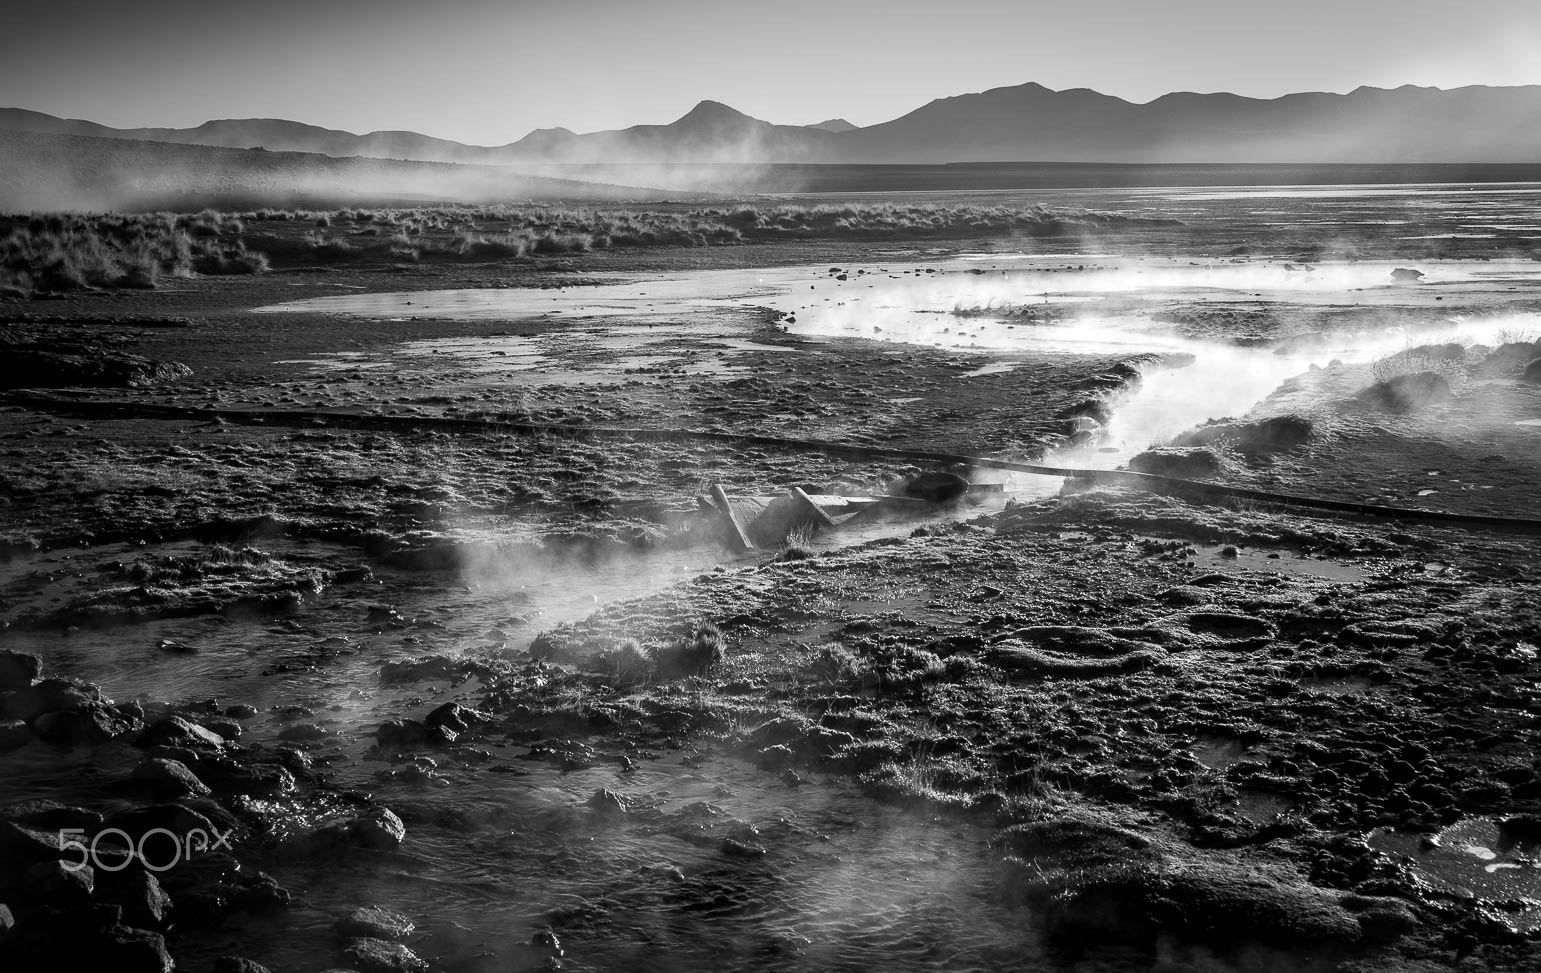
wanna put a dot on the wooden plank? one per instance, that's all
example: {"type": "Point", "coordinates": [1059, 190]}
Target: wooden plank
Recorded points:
{"type": "Point", "coordinates": [828, 501]}
{"type": "Point", "coordinates": [738, 536]}
{"type": "Point", "coordinates": [815, 512]}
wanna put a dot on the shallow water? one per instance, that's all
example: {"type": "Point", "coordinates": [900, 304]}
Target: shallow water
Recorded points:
{"type": "Point", "coordinates": [606, 331]}
{"type": "Point", "coordinates": [1476, 859]}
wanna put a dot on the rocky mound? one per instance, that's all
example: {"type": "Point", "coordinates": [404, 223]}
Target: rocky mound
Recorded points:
{"type": "Point", "coordinates": [1093, 884]}
{"type": "Point", "coordinates": [1407, 393]}
{"type": "Point", "coordinates": [1185, 463]}
{"type": "Point", "coordinates": [31, 368]}
{"type": "Point", "coordinates": [1271, 435]}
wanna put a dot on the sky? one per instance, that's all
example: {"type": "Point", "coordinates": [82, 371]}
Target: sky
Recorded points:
{"type": "Point", "coordinates": [487, 72]}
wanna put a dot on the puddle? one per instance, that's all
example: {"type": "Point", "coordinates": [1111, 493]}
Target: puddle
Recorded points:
{"type": "Point", "coordinates": [1210, 559]}
{"type": "Point", "coordinates": [1261, 807]}
{"type": "Point", "coordinates": [1477, 859]}
{"type": "Point", "coordinates": [1337, 685]}
{"type": "Point", "coordinates": [994, 368]}
{"type": "Point", "coordinates": [1218, 752]}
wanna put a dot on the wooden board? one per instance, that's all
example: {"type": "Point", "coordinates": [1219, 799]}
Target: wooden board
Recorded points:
{"type": "Point", "coordinates": [737, 535]}
{"type": "Point", "coordinates": [814, 511]}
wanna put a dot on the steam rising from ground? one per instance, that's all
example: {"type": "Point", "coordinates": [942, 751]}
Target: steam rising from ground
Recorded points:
{"type": "Point", "coordinates": [67, 172]}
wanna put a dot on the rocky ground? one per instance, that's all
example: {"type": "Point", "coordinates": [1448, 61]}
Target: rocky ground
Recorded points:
{"type": "Point", "coordinates": [1185, 735]}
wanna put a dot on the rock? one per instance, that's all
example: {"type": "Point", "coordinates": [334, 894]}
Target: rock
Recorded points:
{"type": "Point", "coordinates": [734, 848]}
{"type": "Point", "coordinates": [176, 818]}
{"type": "Point", "coordinates": [236, 964]}
{"type": "Point", "coordinates": [1405, 275]}
{"type": "Point", "coordinates": [373, 922]}
{"type": "Point", "coordinates": [378, 828]}
{"type": "Point", "coordinates": [226, 729]}
{"type": "Point", "coordinates": [259, 892]}
{"type": "Point", "coordinates": [49, 696]}
{"type": "Point", "coordinates": [18, 670]}
{"type": "Point", "coordinates": [52, 816]}
{"type": "Point", "coordinates": [606, 801]}
{"type": "Point", "coordinates": [168, 778]}
{"type": "Point", "coordinates": [455, 717]}
{"type": "Point", "coordinates": [1381, 920]}
{"type": "Point", "coordinates": [174, 731]}
{"type": "Point", "coordinates": [1093, 885]}
{"type": "Point", "coordinates": [14, 734]}
{"type": "Point", "coordinates": [37, 369]}
{"type": "Point", "coordinates": [240, 711]}
{"type": "Point", "coordinates": [369, 955]}
{"type": "Point", "coordinates": [303, 732]}
{"type": "Point", "coordinates": [95, 722]}
{"type": "Point", "coordinates": [1407, 393]}
{"type": "Point", "coordinates": [1265, 436]}
{"type": "Point", "coordinates": [21, 844]}
{"type": "Point", "coordinates": [83, 937]}
{"type": "Point", "coordinates": [1522, 827]}
{"type": "Point", "coordinates": [144, 903]}
{"type": "Point", "coordinates": [7, 921]}
{"type": "Point", "coordinates": [401, 734]}
{"type": "Point", "coordinates": [937, 487]}
{"type": "Point", "coordinates": [256, 779]}
{"type": "Point", "coordinates": [60, 883]}
{"type": "Point", "coordinates": [127, 950]}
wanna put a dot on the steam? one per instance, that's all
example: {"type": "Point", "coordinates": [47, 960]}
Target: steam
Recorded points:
{"type": "Point", "coordinates": [79, 173]}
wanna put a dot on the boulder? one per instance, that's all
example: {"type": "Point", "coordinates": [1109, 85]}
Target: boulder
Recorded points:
{"type": "Point", "coordinates": [18, 670]}
{"type": "Point", "coordinates": [1407, 393]}
{"type": "Point", "coordinates": [167, 778]}
{"type": "Point", "coordinates": [14, 734]}
{"type": "Point", "coordinates": [369, 955]}
{"type": "Point", "coordinates": [455, 717]}
{"type": "Point", "coordinates": [36, 369]}
{"type": "Point", "coordinates": [52, 816]}
{"type": "Point", "coordinates": [95, 722]}
{"type": "Point", "coordinates": [373, 922]}
{"type": "Point", "coordinates": [139, 894]}
{"type": "Point", "coordinates": [401, 734]}
{"type": "Point", "coordinates": [937, 487]}
{"type": "Point", "coordinates": [378, 828]}
{"type": "Point", "coordinates": [60, 883]}
{"type": "Point", "coordinates": [174, 731]}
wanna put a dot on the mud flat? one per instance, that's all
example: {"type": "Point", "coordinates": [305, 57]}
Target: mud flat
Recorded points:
{"type": "Point", "coordinates": [404, 593]}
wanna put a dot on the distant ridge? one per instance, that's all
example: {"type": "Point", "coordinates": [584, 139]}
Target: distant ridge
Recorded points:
{"type": "Point", "coordinates": [1027, 122]}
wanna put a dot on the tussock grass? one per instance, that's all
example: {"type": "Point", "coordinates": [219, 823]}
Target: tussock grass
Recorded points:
{"type": "Point", "coordinates": [60, 253]}
{"type": "Point", "coordinates": [52, 253]}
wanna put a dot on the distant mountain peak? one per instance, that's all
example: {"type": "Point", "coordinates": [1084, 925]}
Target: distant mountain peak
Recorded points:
{"type": "Point", "coordinates": [712, 111]}
{"type": "Point", "coordinates": [836, 125]}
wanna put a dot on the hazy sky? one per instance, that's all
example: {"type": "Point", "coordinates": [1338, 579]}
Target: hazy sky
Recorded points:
{"type": "Point", "coordinates": [487, 72]}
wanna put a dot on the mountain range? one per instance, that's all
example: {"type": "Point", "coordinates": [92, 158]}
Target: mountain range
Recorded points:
{"type": "Point", "coordinates": [1027, 122]}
